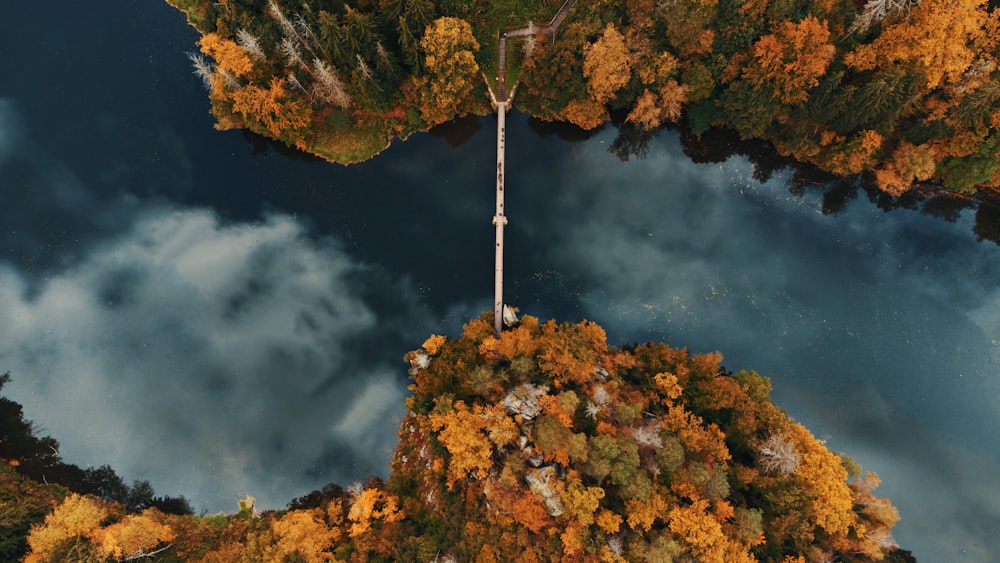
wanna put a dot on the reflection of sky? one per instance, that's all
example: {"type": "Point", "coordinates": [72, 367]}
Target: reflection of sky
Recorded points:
{"type": "Point", "coordinates": [187, 343]}
{"type": "Point", "coordinates": [158, 314]}
{"type": "Point", "coordinates": [222, 324]}
{"type": "Point", "coordinates": [880, 331]}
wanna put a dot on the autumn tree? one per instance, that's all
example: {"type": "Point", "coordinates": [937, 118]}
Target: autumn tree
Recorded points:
{"type": "Point", "coordinates": [585, 113]}
{"type": "Point", "coordinates": [231, 70]}
{"type": "Point", "coordinates": [448, 46]}
{"type": "Point", "coordinates": [228, 55]}
{"type": "Point", "coordinates": [470, 436]}
{"type": "Point", "coordinates": [606, 65]}
{"type": "Point", "coordinates": [788, 62]}
{"type": "Point", "coordinates": [370, 507]}
{"type": "Point", "coordinates": [824, 476]}
{"type": "Point", "coordinates": [909, 163]}
{"type": "Point", "coordinates": [654, 108]}
{"type": "Point", "coordinates": [703, 534]}
{"type": "Point", "coordinates": [571, 350]}
{"type": "Point", "coordinates": [646, 112]}
{"type": "Point", "coordinates": [273, 110]}
{"type": "Point", "coordinates": [855, 154]}
{"type": "Point", "coordinates": [638, 453]}
{"type": "Point", "coordinates": [135, 536]}
{"type": "Point", "coordinates": [940, 39]}
{"type": "Point", "coordinates": [582, 502]}
{"type": "Point", "coordinates": [877, 516]}
{"type": "Point", "coordinates": [304, 535]}
{"type": "Point", "coordinates": [64, 532]}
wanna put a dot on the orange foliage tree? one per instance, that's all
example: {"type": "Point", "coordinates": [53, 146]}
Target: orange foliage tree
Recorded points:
{"type": "Point", "coordinates": [228, 55]}
{"type": "Point", "coordinates": [653, 109]}
{"type": "Point", "coordinates": [938, 38]}
{"type": "Point", "coordinates": [585, 114]}
{"type": "Point", "coordinates": [909, 163]}
{"type": "Point", "coordinates": [273, 109]}
{"type": "Point", "coordinates": [788, 62]}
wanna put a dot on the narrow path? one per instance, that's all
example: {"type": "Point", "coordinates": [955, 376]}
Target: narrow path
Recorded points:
{"type": "Point", "coordinates": [501, 100]}
{"type": "Point", "coordinates": [523, 32]}
{"type": "Point", "coordinates": [560, 16]}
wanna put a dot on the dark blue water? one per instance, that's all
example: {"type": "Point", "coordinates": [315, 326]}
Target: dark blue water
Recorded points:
{"type": "Point", "coordinates": [202, 311]}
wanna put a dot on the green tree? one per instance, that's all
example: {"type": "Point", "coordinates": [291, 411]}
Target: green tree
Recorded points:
{"type": "Point", "coordinates": [981, 167]}
{"type": "Point", "coordinates": [881, 103]}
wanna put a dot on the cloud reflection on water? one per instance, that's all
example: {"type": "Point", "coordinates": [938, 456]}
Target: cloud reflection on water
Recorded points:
{"type": "Point", "coordinates": [879, 330]}
{"type": "Point", "coordinates": [226, 352]}
{"type": "Point", "coordinates": [219, 358]}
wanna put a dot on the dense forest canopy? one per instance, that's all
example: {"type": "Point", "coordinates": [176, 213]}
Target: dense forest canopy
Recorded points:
{"type": "Point", "coordinates": [542, 444]}
{"type": "Point", "coordinates": [905, 90]}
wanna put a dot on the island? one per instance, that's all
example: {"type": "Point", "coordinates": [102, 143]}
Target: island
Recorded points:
{"type": "Point", "coordinates": [542, 444]}
{"type": "Point", "coordinates": [904, 91]}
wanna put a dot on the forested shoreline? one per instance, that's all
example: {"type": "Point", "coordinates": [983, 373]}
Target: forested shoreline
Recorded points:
{"type": "Point", "coordinates": [542, 443]}
{"type": "Point", "coordinates": [905, 91]}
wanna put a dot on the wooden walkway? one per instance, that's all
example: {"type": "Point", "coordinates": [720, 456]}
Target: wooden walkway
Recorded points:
{"type": "Point", "coordinates": [560, 16]}
{"type": "Point", "coordinates": [548, 29]}
{"type": "Point", "coordinates": [500, 221]}
{"type": "Point", "coordinates": [502, 100]}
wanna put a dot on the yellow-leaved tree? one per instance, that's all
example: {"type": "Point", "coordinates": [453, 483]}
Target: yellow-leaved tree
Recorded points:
{"type": "Point", "coordinates": [703, 534]}
{"type": "Point", "coordinates": [470, 435]}
{"type": "Point", "coordinates": [371, 506]}
{"type": "Point", "coordinates": [137, 535]}
{"type": "Point", "coordinates": [303, 535]}
{"type": "Point", "coordinates": [606, 65]}
{"type": "Point", "coordinates": [63, 534]}
{"type": "Point", "coordinates": [822, 472]}
{"type": "Point", "coordinates": [449, 48]}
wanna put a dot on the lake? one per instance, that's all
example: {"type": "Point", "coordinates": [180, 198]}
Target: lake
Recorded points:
{"type": "Point", "coordinates": [221, 318]}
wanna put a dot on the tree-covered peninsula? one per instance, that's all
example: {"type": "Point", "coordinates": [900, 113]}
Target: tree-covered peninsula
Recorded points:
{"type": "Point", "coordinates": [904, 90]}
{"type": "Point", "coordinates": [542, 444]}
